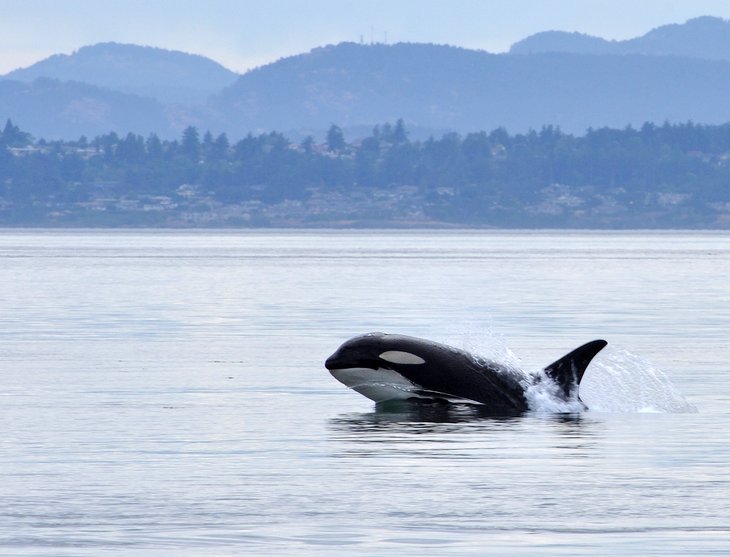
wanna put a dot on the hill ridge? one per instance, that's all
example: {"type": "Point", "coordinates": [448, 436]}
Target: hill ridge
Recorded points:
{"type": "Point", "coordinates": [431, 86]}
{"type": "Point", "coordinates": [169, 76]}
{"type": "Point", "coordinates": [701, 37]}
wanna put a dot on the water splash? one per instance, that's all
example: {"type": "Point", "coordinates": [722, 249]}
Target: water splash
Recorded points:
{"type": "Point", "coordinates": [544, 395]}
{"type": "Point", "coordinates": [484, 344]}
{"type": "Point", "coordinates": [619, 381]}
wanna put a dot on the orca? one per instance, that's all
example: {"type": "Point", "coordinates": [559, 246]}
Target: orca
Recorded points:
{"type": "Point", "coordinates": [388, 367]}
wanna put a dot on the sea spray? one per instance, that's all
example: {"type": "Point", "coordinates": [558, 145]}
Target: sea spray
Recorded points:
{"type": "Point", "coordinates": [484, 344]}
{"type": "Point", "coordinates": [619, 381]}
{"type": "Point", "coordinates": [545, 396]}
{"type": "Point", "coordinates": [616, 381]}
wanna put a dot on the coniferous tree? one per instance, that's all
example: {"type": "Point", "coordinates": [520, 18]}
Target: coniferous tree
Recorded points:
{"type": "Point", "coordinates": [191, 143]}
{"type": "Point", "coordinates": [335, 139]}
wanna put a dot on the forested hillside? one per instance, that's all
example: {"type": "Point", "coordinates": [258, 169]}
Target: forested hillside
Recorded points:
{"type": "Point", "coordinates": [675, 73]}
{"type": "Point", "coordinates": [167, 76]}
{"type": "Point", "coordinates": [702, 37]}
{"type": "Point", "coordinates": [654, 176]}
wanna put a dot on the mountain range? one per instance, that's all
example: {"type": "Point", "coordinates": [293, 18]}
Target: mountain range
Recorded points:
{"type": "Point", "coordinates": [166, 75]}
{"type": "Point", "coordinates": [702, 37]}
{"type": "Point", "coordinates": [674, 73]}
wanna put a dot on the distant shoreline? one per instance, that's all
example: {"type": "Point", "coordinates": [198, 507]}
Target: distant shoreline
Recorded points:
{"type": "Point", "coordinates": [363, 229]}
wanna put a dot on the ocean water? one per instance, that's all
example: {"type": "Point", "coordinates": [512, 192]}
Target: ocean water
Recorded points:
{"type": "Point", "coordinates": [163, 393]}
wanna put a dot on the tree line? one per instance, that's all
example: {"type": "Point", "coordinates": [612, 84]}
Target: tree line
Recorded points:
{"type": "Point", "coordinates": [458, 171]}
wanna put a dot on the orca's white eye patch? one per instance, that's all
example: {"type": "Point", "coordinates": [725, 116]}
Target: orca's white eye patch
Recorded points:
{"type": "Point", "coordinates": [399, 357]}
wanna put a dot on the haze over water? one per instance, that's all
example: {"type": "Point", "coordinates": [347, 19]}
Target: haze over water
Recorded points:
{"type": "Point", "coordinates": [163, 393]}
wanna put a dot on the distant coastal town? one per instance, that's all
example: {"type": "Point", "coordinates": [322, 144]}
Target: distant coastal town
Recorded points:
{"type": "Point", "coordinates": [668, 176]}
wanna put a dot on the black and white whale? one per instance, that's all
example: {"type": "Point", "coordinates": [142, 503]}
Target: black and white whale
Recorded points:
{"type": "Point", "coordinates": [386, 367]}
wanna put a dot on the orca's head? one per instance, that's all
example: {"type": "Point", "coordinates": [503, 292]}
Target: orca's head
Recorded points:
{"type": "Point", "coordinates": [374, 351]}
{"type": "Point", "coordinates": [371, 364]}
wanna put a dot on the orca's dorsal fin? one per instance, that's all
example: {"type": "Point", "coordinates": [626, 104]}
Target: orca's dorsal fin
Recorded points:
{"type": "Point", "coordinates": [568, 370]}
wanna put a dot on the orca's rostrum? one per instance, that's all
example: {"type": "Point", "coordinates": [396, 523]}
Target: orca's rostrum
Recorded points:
{"type": "Point", "coordinates": [385, 367]}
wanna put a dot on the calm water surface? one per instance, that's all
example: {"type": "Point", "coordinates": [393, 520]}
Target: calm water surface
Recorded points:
{"type": "Point", "coordinates": [163, 393]}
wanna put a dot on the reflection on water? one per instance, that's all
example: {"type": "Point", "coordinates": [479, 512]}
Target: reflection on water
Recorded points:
{"type": "Point", "coordinates": [414, 419]}
{"type": "Point", "coordinates": [440, 422]}
{"type": "Point", "coordinates": [458, 454]}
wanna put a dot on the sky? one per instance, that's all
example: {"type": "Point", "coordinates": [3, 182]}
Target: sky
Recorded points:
{"type": "Point", "coordinates": [243, 34]}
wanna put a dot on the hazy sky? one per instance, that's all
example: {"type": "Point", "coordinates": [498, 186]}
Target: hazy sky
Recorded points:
{"type": "Point", "coordinates": [241, 34]}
